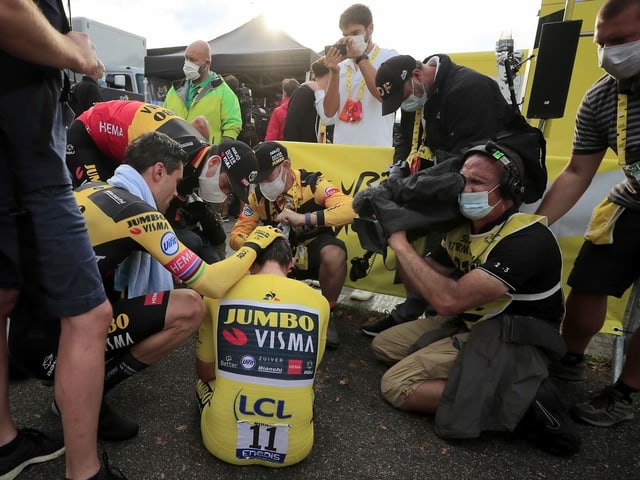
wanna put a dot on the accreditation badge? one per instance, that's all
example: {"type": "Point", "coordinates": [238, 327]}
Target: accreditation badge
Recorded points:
{"type": "Point", "coordinates": [301, 259]}
{"type": "Point", "coordinates": [352, 111]}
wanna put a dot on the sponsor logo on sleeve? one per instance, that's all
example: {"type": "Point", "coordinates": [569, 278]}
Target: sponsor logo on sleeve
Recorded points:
{"type": "Point", "coordinates": [169, 244]}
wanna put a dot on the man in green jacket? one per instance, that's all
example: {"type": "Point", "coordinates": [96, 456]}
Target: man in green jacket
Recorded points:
{"type": "Point", "coordinates": [205, 93]}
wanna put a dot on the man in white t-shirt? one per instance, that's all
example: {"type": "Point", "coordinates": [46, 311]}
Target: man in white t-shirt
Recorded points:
{"type": "Point", "coordinates": [352, 102]}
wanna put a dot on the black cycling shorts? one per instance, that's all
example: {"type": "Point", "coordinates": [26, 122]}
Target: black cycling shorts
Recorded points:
{"type": "Point", "coordinates": [313, 254]}
{"type": "Point", "coordinates": [610, 269]}
{"type": "Point", "coordinates": [33, 337]}
{"type": "Point", "coordinates": [85, 161]}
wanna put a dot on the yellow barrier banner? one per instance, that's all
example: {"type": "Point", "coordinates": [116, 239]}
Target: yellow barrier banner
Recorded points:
{"type": "Point", "coordinates": [354, 168]}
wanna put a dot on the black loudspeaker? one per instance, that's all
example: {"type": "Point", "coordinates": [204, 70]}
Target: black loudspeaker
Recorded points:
{"type": "Point", "coordinates": [551, 79]}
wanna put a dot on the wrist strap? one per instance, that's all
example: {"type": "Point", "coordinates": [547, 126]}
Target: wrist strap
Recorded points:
{"type": "Point", "coordinates": [364, 56]}
{"type": "Point", "coordinates": [307, 219]}
{"type": "Point", "coordinates": [253, 246]}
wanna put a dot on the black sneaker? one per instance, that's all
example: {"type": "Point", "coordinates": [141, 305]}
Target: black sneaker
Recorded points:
{"type": "Point", "coordinates": [30, 447]}
{"type": "Point", "coordinates": [107, 471]}
{"type": "Point", "coordinates": [374, 328]}
{"type": "Point", "coordinates": [111, 426]}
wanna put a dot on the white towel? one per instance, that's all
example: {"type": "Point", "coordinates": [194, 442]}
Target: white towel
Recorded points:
{"type": "Point", "coordinates": [140, 272]}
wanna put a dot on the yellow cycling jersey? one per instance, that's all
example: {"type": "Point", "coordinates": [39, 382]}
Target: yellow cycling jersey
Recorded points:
{"type": "Point", "coordinates": [266, 338]}
{"type": "Point", "coordinates": [310, 192]}
{"type": "Point", "coordinates": [120, 223]}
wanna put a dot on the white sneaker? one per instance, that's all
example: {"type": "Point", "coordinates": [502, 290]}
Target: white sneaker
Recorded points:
{"type": "Point", "coordinates": [361, 295]}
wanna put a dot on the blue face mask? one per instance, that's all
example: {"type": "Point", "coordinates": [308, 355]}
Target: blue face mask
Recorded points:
{"type": "Point", "coordinates": [475, 205]}
{"type": "Point", "coordinates": [413, 103]}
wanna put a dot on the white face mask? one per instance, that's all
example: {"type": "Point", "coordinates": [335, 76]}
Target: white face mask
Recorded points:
{"type": "Point", "coordinates": [620, 61]}
{"type": "Point", "coordinates": [359, 42]}
{"type": "Point", "coordinates": [210, 186]}
{"type": "Point", "coordinates": [413, 103]}
{"type": "Point", "coordinates": [272, 190]}
{"type": "Point", "coordinates": [475, 205]}
{"type": "Point", "coordinates": [191, 70]}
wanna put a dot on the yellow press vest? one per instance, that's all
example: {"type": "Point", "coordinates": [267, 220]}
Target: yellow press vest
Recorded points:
{"type": "Point", "coordinates": [468, 251]}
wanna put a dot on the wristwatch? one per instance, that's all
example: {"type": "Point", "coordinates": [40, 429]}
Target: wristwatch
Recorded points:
{"type": "Point", "coordinates": [364, 56]}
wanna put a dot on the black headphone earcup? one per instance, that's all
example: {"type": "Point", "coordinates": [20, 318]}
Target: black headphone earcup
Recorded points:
{"type": "Point", "coordinates": [511, 185]}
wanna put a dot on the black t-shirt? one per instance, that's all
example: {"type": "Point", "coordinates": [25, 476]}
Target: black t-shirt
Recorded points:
{"type": "Point", "coordinates": [529, 262]}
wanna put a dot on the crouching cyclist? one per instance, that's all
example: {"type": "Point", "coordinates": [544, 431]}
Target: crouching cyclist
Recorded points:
{"type": "Point", "coordinates": [139, 254]}
{"type": "Point", "coordinates": [257, 355]}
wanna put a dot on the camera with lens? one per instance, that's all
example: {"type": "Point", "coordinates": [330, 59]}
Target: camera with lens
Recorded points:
{"type": "Point", "coordinates": [360, 266]}
{"type": "Point", "coordinates": [372, 239]}
{"type": "Point", "coordinates": [370, 234]}
{"type": "Point", "coordinates": [397, 170]}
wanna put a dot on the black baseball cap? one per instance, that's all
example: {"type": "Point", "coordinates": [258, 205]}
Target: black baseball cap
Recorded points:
{"type": "Point", "coordinates": [390, 80]}
{"type": "Point", "coordinates": [270, 155]}
{"type": "Point", "coordinates": [241, 165]}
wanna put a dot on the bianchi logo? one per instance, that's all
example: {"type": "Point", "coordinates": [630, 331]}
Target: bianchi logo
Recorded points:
{"type": "Point", "coordinates": [553, 423]}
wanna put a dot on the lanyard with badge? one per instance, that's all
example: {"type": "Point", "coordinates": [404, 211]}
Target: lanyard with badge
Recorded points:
{"type": "Point", "coordinates": [419, 149]}
{"type": "Point", "coordinates": [631, 170]}
{"type": "Point", "coordinates": [352, 110]}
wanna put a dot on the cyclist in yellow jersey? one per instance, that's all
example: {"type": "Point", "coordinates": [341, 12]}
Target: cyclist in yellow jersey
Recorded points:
{"type": "Point", "coordinates": [257, 355]}
{"type": "Point", "coordinates": [312, 209]}
{"type": "Point", "coordinates": [125, 221]}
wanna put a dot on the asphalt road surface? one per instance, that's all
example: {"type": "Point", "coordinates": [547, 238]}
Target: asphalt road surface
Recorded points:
{"type": "Point", "coordinates": [357, 434]}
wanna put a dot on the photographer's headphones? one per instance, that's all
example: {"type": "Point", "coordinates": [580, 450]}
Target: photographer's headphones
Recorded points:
{"type": "Point", "coordinates": [511, 185]}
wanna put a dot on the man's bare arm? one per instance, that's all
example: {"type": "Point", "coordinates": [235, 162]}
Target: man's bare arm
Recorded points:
{"type": "Point", "coordinates": [27, 34]}
{"type": "Point", "coordinates": [570, 185]}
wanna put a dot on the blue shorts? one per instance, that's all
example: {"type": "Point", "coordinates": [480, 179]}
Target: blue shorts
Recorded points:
{"type": "Point", "coordinates": [47, 225]}
{"type": "Point", "coordinates": [610, 269]}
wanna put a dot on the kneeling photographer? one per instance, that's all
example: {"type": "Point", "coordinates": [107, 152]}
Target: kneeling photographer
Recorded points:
{"type": "Point", "coordinates": [495, 285]}
{"type": "Point", "coordinates": [445, 109]}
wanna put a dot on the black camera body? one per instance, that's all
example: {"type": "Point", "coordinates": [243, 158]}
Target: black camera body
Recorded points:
{"type": "Point", "coordinates": [360, 266]}
{"type": "Point", "coordinates": [370, 234]}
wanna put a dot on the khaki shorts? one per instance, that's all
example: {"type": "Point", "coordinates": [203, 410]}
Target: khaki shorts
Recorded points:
{"type": "Point", "coordinates": [408, 371]}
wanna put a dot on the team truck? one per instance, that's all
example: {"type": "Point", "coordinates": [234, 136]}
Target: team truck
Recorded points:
{"type": "Point", "coordinates": [123, 55]}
